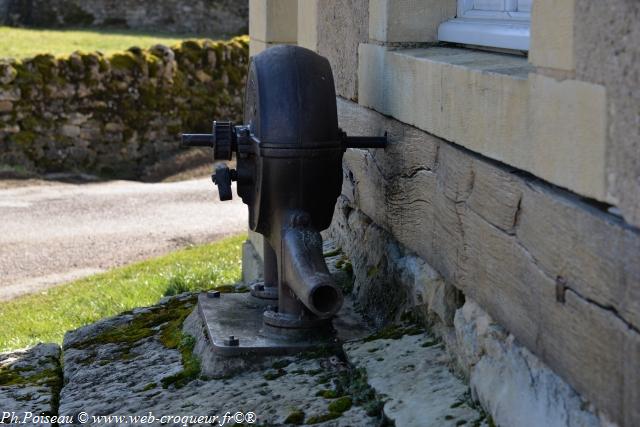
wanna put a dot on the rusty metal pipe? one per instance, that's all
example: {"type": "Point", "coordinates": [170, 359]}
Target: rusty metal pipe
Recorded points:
{"type": "Point", "coordinates": [306, 273]}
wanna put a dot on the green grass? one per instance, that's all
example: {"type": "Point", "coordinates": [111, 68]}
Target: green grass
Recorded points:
{"type": "Point", "coordinates": [22, 43]}
{"type": "Point", "coordinates": [46, 316]}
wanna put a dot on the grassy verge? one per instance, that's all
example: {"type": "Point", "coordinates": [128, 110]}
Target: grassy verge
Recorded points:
{"type": "Point", "coordinates": [46, 316]}
{"type": "Point", "coordinates": [21, 43]}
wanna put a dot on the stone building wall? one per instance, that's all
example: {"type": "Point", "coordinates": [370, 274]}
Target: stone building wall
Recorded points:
{"type": "Point", "coordinates": [505, 207]}
{"type": "Point", "coordinates": [206, 17]}
{"type": "Point", "coordinates": [115, 115]}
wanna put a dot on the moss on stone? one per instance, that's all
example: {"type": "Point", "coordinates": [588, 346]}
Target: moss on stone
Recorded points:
{"type": "Point", "coordinates": [341, 404]}
{"type": "Point", "coordinates": [280, 364]}
{"type": "Point", "coordinates": [327, 394]}
{"type": "Point", "coordinates": [354, 384]}
{"type": "Point", "coordinates": [394, 332]}
{"type": "Point", "coordinates": [75, 62]}
{"type": "Point", "coordinates": [321, 351]}
{"type": "Point", "coordinates": [344, 264]}
{"type": "Point", "coordinates": [348, 267]}
{"type": "Point", "coordinates": [30, 123]}
{"type": "Point", "coordinates": [24, 377]}
{"type": "Point", "coordinates": [317, 419]}
{"type": "Point", "coordinates": [150, 386]}
{"type": "Point", "coordinates": [24, 138]}
{"type": "Point", "coordinates": [332, 253]}
{"type": "Point", "coordinates": [124, 61]}
{"type": "Point", "coordinates": [46, 65]}
{"type": "Point", "coordinates": [192, 50]}
{"type": "Point", "coordinates": [372, 271]}
{"type": "Point", "coordinates": [272, 375]}
{"type": "Point", "coordinates": [190, 363]}
{"type": "Point", "coordinates": [295, 417]}
{"type": "Point", "coordinates": [430, 343]}
{"type": "Point", "coordinates": [324, 379]}
{"type": "Point", "coordinates": [145, 325]}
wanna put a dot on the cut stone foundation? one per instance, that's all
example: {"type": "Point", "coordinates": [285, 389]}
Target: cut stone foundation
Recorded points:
{"type": "Point", "coordinates": [510, 383]}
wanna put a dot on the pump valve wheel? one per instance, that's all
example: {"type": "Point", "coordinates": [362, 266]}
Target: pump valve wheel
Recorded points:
{"type": "Point", "coordinates": [222, 140]}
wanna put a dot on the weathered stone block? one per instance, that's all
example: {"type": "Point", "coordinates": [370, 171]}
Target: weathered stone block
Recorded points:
{"type": "Point", "coordinates": [70, 131]}
{"type": "Point", "coordinates": [412, 373]}
{"type": "Point", "coordinates": [342, 25]}
{"type": "Point", "coordinates": [273, 21]}
{"type": "Point", "coordinates": [490, 104]}
{"type": "Point", "coordinates": [6, 106]}
{"type": "Point", "coordinates": [308, 24]}
{"type": "Point", "coordinates": [30, 382]}
{"type": "Point", "coordinates": [389, 279]}
{"type": "Point", "coordinates": [408, 21]}
{"type": "Point", "coordinates": [510, 382]}
{"type": "Point", "coordinates": [7, 72]}
{"type": "Point", "coordinates": [10, 94]}
{"type": "Point", "coordinates": [552, 34]}
{"type": "Point", "coordinates": [515, 245]}
{"type": "Point", "coordinates": [607, 48]}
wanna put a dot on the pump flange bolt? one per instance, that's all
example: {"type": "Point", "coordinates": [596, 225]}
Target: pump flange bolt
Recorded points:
{"type": "Point", "coordinates": [232, 341]}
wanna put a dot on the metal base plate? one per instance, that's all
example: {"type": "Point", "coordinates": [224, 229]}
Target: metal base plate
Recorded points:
{"type": "Point", "coordinates": [240, 316]}
{"type": "Point", "coordinates": [259, 290]}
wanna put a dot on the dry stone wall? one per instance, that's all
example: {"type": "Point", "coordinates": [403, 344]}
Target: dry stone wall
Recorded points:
{"type": "Point", "coordinates": [210, 17]}
{"type": "Point", "coordinates": [116, 115]}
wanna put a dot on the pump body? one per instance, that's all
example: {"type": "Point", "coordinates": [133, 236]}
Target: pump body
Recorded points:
{"type": "Point", "coordinates": [289, 173]}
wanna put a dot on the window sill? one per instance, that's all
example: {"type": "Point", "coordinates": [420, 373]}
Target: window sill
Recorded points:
{"type": "Point", "coordinates": [492, 33]}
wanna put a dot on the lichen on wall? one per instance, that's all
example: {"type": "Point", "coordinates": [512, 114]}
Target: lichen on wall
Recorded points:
{"type": "Point", "coordinates": [115, 115]}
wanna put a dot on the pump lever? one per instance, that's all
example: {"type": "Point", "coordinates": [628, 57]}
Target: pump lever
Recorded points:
{"type": "Point", "coordinates": [197, 140]}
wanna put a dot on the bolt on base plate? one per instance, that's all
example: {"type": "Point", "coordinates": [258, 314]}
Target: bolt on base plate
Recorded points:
{"type": "Point", "coordinates": [259, 290]}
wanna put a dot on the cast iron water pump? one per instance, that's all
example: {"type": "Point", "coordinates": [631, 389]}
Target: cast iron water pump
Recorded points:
{"type": "Point", "coordinates": [289, 173]}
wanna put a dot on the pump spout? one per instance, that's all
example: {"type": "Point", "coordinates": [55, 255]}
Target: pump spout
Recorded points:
{"type": "Point", "coordinates": [306, 273]}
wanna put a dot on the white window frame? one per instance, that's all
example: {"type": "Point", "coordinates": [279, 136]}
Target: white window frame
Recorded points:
{"type": "Point", "coordinates": [476, 24]}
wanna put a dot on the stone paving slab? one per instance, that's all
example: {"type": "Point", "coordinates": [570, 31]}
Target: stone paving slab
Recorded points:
{"type": "Point", "coordinates": [141, 362]}
{"type": "Point", "coordinates": [412, 374]}
{"type": "Point", "coordinates": [30, 382]}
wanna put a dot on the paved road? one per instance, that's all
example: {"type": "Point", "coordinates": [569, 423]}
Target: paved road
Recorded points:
{"type": "Point", "coordinates": [54, 232]}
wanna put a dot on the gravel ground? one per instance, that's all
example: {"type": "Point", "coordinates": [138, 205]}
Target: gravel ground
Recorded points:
{"type": "Point", "coordinates": [54, 232]}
